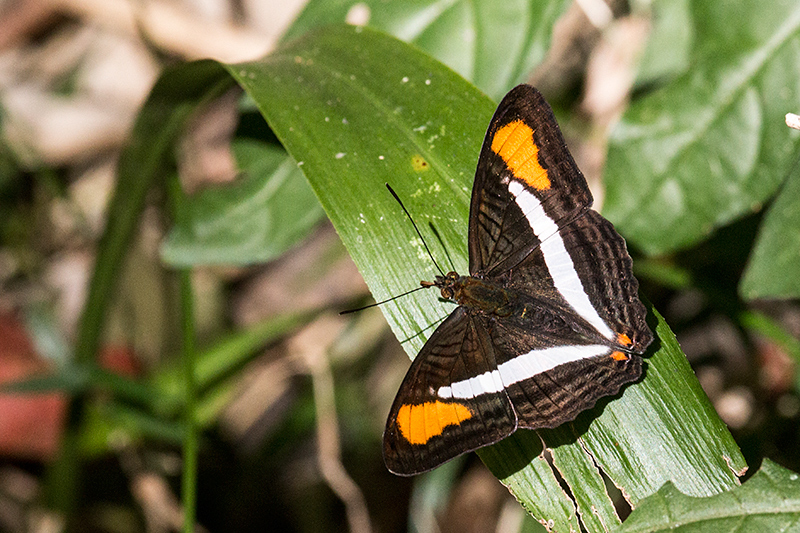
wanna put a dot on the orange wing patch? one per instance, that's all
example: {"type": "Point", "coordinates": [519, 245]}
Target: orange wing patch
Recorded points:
{"type": "Point", "coordinates": [421, 422]}
{"type": "Point", "coordinates": [624, 339]}
{"type": "Point", "coordinates": [514, 143]}
{"type": "Point", "coordinates": [619, 356]}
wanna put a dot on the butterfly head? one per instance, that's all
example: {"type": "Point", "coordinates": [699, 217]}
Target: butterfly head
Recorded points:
{"type": "Point", "coordinates": [448, 284]}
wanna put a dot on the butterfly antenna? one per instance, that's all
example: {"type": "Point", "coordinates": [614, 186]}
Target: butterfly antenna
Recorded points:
{"type": "Point", "coordinates": [376, 304]}
{"type": "Point", "coordinates": [439, 238]}
{"type": "Point", "coordinates": [415, 228]}
{"type": "Point", "coordinates": [423, 330]}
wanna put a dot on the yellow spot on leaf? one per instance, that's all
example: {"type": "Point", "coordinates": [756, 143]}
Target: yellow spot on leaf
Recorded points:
{"type": "Point", "coordinates": [421, 422]}
{"type": "Point", "coordinates": [514, 143]}
{"type": "Point", "coordinates": [418, 163]}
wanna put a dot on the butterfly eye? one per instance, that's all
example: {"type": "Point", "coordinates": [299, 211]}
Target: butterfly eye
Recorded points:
{"type": "Point", "coordinates": [447, 293]}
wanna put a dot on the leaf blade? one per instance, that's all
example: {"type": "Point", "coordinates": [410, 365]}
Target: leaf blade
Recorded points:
{"type": "Point", "coordinates": [266, 211]}
{"type": "Point", "coordinates": [769, 501]}
{"type": "Point", "coordinates": [773, 270]}
{"type": "Point", "coordinates": [416, 121]}
{"type": "Point", "coordinates": [710, 146]}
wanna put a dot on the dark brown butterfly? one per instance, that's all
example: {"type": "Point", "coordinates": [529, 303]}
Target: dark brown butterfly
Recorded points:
{"type": "Point", "coordinates": [548, 321]}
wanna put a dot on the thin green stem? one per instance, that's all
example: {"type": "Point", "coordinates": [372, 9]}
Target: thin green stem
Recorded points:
{"type": "Point", "coordinates": [190, 441]}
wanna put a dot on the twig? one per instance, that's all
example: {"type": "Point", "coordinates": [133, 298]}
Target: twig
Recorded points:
{"type": "Point", "coordinates": [597, 11]}
{"type": "Point", "coordinates": [315, 354]}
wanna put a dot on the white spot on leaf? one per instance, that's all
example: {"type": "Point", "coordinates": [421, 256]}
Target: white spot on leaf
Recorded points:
{"type": "Point", "coordinates": [358, 15]}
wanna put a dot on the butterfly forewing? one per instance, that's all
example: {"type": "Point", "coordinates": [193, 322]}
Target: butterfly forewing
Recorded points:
{"type": "Point", "coordinates": [523, 142]}
{"type": "Point", "coordinates": [427, 426]}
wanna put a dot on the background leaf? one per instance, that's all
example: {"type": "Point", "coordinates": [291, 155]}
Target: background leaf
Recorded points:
{"type": "Point", "coordinates": [268, 209]}
{"type": "Point", "coordinates": [769, 501]}
{"type": "Point", "coordinates": [669, 46]}
{"type": "Point", "coordinates": [360, 120]}
{"type": "Point", "coordinates": [773, 270]}
{"type": "Point", "coordinates": [493, 44]}
{"type": "Point", "coordinates": [711, 146]}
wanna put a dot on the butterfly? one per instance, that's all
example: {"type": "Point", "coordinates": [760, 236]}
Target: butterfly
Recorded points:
{"type": "Point", "coordinates": [548, 319]}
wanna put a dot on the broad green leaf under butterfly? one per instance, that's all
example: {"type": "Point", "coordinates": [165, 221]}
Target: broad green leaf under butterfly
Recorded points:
{"type": "Point", "coordinates": [493, 44]}
{"type": "Point", "coordinates": [769, 501]}
{"type": "Point", "coordinates": [353, 121]}
{"type": "Point", "coordinates": [711, 146]}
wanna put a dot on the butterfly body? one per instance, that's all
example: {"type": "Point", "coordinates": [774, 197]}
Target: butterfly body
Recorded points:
{"type": "Point", "coordinates": [473, 293]}
{"type": "Point", "coordinates": [548, 320]}
{"type": "Point", "coordinates": [494, 301]}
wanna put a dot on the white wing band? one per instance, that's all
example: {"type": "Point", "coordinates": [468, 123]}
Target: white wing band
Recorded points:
{"type": "Point", "coordinates": [519, 369]}
{"type": "Point", "coordinates": [557, 259]}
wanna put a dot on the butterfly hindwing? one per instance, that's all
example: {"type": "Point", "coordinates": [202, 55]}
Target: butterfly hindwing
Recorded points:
{"type": "Point", "coordinates": [552, 376]}
{"type": "Point", "coordinates": [601, 261]}
{"type": "Point", "coordinates": [429, 424]}
{"type": "Point", "coordinates": [586, 268]}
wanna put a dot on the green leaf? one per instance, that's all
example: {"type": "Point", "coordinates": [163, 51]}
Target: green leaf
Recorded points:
{"type": "Point", "coordinates": [494, 44]}
{"type": "Point", "coordinates": [179, 92]}
{"type": "Point", "coordinates": [72, 379]}
{"type": "Point", "coordinates": [78, 379]}
{"type": "Point", "coordinates": [773, 270]}
{"type": "Point", "coordinates": [270, 208]}
{"type": "Point", "coordinates": [356, 120]}
{"type": "Point", "coordinates": [711, 146]}
{"type": "Point", "coordinates": [670, 43]}
{"type": "Point", "coordinates": [219, 362]}
{"type": "Point", "coordinates": [769, 501]}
